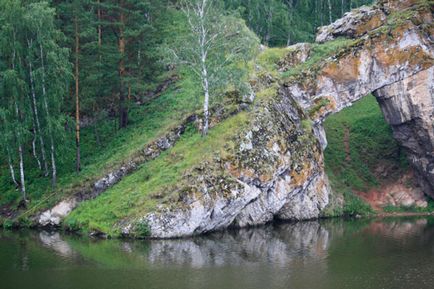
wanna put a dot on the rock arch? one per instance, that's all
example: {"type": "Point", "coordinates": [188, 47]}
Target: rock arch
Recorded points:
{"type": "Point", "coordinates": [393, 62]}
{"type": "Point", "coordinates": [276, 169]}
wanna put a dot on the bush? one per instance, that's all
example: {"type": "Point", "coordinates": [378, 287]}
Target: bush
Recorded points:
{"type": "Point", "coordinates": [142, 230]}
{"type": "Point", "coordinates": [355, 205]}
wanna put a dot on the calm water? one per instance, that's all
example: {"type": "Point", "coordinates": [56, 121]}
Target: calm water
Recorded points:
{"type": "Point", "coordinates": [388, 253]}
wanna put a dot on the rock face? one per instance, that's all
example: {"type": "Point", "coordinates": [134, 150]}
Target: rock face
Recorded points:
{"type": "Point", "coordinates": [408, 107]}
{"type": "Point", "coordinates": [400, 193]}
{"type": "Point", "coordinates": [276, 168]}
{"type": "Point", "coordinates": [397, 67]}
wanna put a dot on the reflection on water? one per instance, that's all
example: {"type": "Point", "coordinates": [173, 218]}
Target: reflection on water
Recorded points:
{"type": "Point", "coordinates": [280, 246]}
{"type": "Point", "coordinates": [388, 253]}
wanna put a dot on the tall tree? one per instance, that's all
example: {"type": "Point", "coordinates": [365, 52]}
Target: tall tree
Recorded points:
{"type": "Point", "coordinates": [211, 44]}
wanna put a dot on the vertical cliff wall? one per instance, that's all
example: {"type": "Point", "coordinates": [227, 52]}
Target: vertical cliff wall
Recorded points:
{"type": "Point", "coordinates": [276, 170]}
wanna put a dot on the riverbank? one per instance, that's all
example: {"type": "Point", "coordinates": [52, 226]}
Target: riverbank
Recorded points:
{"type": "Point", "coordinates": [100, 235]}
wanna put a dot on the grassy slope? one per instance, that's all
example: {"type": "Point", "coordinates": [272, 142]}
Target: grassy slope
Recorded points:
{"type": "Point", "coordinates": [137, 194]}
{"type": "Point", "coordinates": [370, 143]}
{"type": "Point", "coordinates": [147, 122]}
{"type": "Point", "coordinates": [141, 191]}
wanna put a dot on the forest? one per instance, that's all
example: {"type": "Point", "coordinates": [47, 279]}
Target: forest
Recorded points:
{"type": "Point", "coordinates": [216, 144]}
{"type": "Point", "coordinates": [79, 78]}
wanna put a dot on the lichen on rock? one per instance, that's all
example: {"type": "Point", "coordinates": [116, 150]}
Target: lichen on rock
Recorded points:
{"type": "Point", "coordinates": [276, 168]}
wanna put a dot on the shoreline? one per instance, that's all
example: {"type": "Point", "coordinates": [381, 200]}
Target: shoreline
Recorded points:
{"type": "Point", "coordinates": [19, 227]}
{"type": "Point", "coordinates": [403, 214]}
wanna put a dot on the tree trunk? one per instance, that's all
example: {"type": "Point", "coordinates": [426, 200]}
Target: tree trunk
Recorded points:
{"type": "Point", "coordinates": [20, 148]}
{"type": "Point", "coordinates": [206, 108]}
{"type": "Point", "coordinates": [77, 98]}
{"type": "Point", "coordinates": [23, 183]}
{"type": "Point", "coordinates": [123, 112]}
{"type": "Point", "coordinates": [35, 155]}
{"type": "Point", "coordinates": [342, 7]}
{"type": "Point", "coordinates": [321, 14]}
{"type": "Point", "coordinates": [269, 26]}
{"type": "Point", "coordinates": [11, 167]}
{"type": "Point", "coordinates": [20, 153]}
{"type": "Point", "coordinates": [204, 70]}
{"type": "Point", "coordinates": [47, 112]}
{"type": "Point", "coordinates": [36, 117]}
{"type": "Point", "coordinates": [330, 11]}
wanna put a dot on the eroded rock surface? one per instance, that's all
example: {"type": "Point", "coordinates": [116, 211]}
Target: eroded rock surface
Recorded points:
{"type": "Point", "coordinates": [276, 169]}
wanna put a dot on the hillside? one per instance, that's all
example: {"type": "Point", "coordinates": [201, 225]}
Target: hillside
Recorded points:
{"type": "Point", "coordinates": [263, 157]}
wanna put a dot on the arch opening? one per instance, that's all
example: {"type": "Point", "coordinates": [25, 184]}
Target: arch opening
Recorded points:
{"type": "Point", "coordinates": [363, 159]}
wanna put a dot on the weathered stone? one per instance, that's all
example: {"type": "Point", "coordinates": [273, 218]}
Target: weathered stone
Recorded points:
{"type": "Point", "coordinates": [354, 24]}
{"type": "Point", "coordinates": [54, 216]}
{"type": "Point", "coordinates": [279, 162]}
{"type": "Point", "coordinates": [274, 169]}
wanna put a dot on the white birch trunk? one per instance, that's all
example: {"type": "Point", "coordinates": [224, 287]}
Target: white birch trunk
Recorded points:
{"type": "Point", "coordinates": [11, 167]}
{"type": "Point", "coordinates": [38, 125]}
{"type": "Point", "coordinates": [35, 155]}
{"type": "Point", "coordinates": [20, 152]}
{"type": "Point", "coordinates": [47, 112]}
{"type": "Point", "coordinates": [20, 148]}
{"type": "Point", "coordinates": [204, 74]}
{"type": "Point", "coordinates": [23, 184]}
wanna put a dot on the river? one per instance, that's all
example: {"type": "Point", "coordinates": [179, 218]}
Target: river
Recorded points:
{"type": "Point", "coordinates": [364, 253]}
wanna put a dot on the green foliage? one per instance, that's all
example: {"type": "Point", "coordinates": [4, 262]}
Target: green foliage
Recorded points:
{"type": "Point", "coordinates": [147, 123]}
{"type": "Point", "coordinates": [284, 22]}
{"type": "Point", "coordinates": [8, 224]}
{"type": "Point", "coordinates": [319, 53]}
{"type": "Point", "coordinates": [355, 206]}
{"type": "Point", "coordinates": [323, 102]}
{"type": "Point", "coordinates": [369, 140]}
{"type": "Point", "coordinates": [141, 191]}
{"type": "Point", "coordinates": [370, 143]}
{"type": "Point", "coordinates": [215, 48]}
{"type": "Point", "coordinates": [269, 58]}
{"type": "Point", "coordinates": [142, 230]}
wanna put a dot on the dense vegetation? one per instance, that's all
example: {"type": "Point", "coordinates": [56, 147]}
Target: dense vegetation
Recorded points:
{"type": "Point", "coordinates": [85, 84]}
{"type": "Point", "coordinates": [361, 152]}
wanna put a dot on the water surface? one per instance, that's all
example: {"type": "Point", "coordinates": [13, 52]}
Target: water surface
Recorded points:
{"type": "Point", "coordinates": [387, 253]}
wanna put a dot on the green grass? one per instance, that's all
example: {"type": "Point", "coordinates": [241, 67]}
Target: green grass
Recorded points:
{"type": "Point", "coordinates": [141, 191]}
{"type": "Point", "coordinates": [318, 53]}
{"type": "Point", "coordinates": [370, 143]}
{"type": "Point", "coordinates": [147, 123]}
{"type": "Point", "coordinates": [270, 57]}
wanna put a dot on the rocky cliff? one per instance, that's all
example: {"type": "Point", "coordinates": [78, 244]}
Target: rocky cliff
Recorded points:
{"type": "Point", "coordinates": [275, 170]}
{"type": "Point", "coordinates": [272, 167]}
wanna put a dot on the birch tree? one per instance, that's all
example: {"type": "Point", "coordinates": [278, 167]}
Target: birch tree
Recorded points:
{"type": "Point", "coordinates": [52, 73]}
{"type": "Point", "coordinates": [210, 46]}
{"type": "Point", "coordinates": [34, 74]}
{"type": "Point", "coordinates": [13, 88]}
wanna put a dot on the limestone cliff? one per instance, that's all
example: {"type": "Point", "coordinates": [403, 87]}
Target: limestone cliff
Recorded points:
{"type": "Point", "coordinates": [272, 167]}
{"type": "Point", "coordinates": [275, 169]}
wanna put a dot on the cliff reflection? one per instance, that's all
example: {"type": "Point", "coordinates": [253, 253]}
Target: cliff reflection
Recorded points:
{"type": "Point", "coordinates": [281, 245]}
{"type": "Point", "coordinates": [367, 253]}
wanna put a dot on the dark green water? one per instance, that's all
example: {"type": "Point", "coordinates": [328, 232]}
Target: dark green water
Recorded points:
{"type": "Point", "coordinates": [387, 253]}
